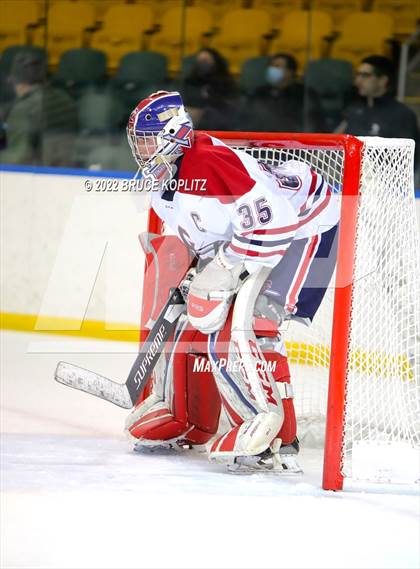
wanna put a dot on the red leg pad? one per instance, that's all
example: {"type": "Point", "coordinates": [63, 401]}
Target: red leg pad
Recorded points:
{"type": "Point", "coordinates": [194, 412]}
{"type": "Point", "coordinates": [287, 432]}
{"type": "Point", "coordinates": [281, 373]}
{"type": "Point", "coordinates": [157, 426]}
{"type": "Point", "coordinates": [203, 399]}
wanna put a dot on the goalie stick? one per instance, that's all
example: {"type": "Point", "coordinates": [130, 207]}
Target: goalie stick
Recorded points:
{"type": "Point", "coordinates": [126, 394]}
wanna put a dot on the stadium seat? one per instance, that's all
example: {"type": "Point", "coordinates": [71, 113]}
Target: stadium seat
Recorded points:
{"type": "Point", "coordinates": [140, 68]}
{"type": "Point", "coordinates": [123, 30]}
{"type": "Point", "coordinates": [15, 21]}
{"type": "Point", "coordinates": [252, 74]}
{"type": "Point", "coordinates": [404, 13]}
{"type": "Point", "coordinates": [177, 82]}
{"type": "Point", "coordinates": [100, 112]}
{"type": "Point", "coordinates": [139, 74]}
{"type": "Point", "coordinates": [66, 25]}
{"type": "Point", "coordinates": [218, 7]}
{"type": "Point", "coordinates": [186, 65]}
{"type": "Point", "coordinates": [277, 9]}
{"type": "Point", "coordinates": [241, 35]}
{"type": "Point", "coordinates": [9, 53]}
{"type": "Point", "coordinates": [338, 9]}
{"type": "Point", "coordinates": [115, 154]}
{"type": "Point", "coordinates": [81, 68]}
{"type": "Point", "coordinates": [101, 117]}
{"type": "Point", "coordinates": [169, 39]}
{"type": "Point", "coordinates": [363, 34]}
{"type": "Point", "coordinates": [102, 6]}
{"type": "Point", "coordinates": [161, 7]}
{"type": "Point", "coordinates": [302, 33]}
{"type": "Point", "coordinates": [332, 80]}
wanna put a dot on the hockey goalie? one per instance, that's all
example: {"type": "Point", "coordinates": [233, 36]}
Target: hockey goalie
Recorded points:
{"type": "Point", "coordinates": [256, 234]}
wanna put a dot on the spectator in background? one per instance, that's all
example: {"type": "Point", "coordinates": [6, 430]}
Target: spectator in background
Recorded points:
{"type": "Point", "coordinates": [41, 125]}
{"type": "Point", "coordinates": [283, 104]}
{"type": "Point", "coordinates": [209, 92]}
{"type": "Point", "coordinates": [377, 113]}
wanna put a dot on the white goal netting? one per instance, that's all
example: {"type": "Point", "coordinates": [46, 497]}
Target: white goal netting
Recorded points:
{"type": "Point", "coordinates": [381, 427]}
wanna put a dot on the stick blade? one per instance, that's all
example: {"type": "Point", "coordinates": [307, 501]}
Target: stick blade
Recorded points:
{"type": "Point", "coordinates": [94, 384]}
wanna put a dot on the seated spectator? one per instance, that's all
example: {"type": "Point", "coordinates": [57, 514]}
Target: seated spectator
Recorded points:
{"type": "Point", "coordinates": [7, 96]}
{"type": "Point", "coordinates": [209, 92]}
{"type": "Point", "coordinates": [377, 112]}
{"type": "Point", "coordinates": [41, 125]}
{"type": "Point", "coordinates": [283, 104]}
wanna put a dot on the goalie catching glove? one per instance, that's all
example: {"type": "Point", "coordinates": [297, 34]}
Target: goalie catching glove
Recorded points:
{"type": "Point", "coordinates": [211, 293]}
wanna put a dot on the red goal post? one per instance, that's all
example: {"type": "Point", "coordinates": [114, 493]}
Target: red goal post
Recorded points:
{"type": "Point", "coordinates": [344, 158]}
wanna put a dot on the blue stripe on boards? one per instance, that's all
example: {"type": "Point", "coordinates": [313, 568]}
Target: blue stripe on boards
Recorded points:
{"type": "Point", "coordinates": [19, 169]}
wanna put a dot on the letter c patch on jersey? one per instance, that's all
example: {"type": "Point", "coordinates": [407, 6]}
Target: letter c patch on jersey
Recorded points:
{"type": "Point", "coordinates": [197, 219]}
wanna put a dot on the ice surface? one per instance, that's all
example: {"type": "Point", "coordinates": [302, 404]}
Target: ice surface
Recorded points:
{"type": "Point", "coordinates": [75, 495]}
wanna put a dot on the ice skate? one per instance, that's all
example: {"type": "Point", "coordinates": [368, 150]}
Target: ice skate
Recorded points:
{"type": "Point", "coordinates": [283, 462]}
{"type": "Point", "coordinates": [145, 446]}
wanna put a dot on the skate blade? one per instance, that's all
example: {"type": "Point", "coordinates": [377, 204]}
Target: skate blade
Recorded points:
{"type": "Point", "coordinates": [158, 447]}
{"type": "Point", "coordinates": [154, 449]}
{"type": "Point", "coordinates": [282, 465]}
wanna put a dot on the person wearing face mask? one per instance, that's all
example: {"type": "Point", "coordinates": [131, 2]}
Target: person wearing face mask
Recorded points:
{"type": "Point", "coordinates": [275, 75]}
{"type": "Point", "coordinates": [209, 92]}
{"type": "Point", "coordinates": [280, 104]}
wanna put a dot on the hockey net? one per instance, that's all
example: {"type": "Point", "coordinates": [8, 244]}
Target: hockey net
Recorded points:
{"type": "Point", "coordinates": [356, 369]}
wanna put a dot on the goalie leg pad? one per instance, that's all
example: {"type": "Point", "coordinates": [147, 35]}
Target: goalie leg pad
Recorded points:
{"type": "Point", "coordinates": [281, 374]}
{"type": "Point", "coordinates": [183, 404]}
{"type": "Point", "coordinates": [249, 439]}
{"type": "Point", "coordinates": [158, 424]}
{"type": "Point", "coordinates": [203, 402]}
{"type": "Point", "coordinates": [239, 402]}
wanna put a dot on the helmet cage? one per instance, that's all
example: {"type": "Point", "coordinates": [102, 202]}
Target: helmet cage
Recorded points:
{"type": "Point", "coordinates": [152, 129]}
{"type": "Point", "coordinates": [143, 145]}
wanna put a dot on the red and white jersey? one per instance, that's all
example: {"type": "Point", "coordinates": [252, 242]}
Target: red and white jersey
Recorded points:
{"type": "Point", "coordinates": [226, 195]}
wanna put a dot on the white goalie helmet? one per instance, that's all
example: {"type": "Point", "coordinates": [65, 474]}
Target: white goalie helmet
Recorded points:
{"type": "Point", "coordinates": [159, 130]}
